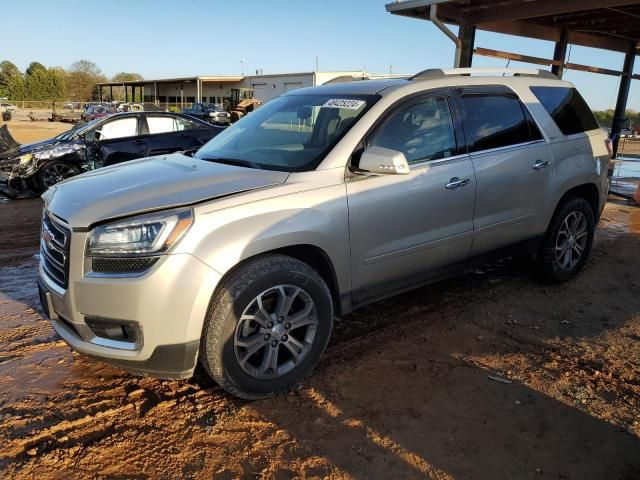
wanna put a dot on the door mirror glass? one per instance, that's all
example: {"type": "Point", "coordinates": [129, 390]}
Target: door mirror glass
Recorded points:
{"type": "Point", "coordinates": [94, 135]}
{"type": "Point", "coordinates": [383, 161]}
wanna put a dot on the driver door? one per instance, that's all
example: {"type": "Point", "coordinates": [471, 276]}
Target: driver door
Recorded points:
{"type": "Point", "coordinates": [118, 140]}
{"type": "Point", "coordinates": [405, 229]}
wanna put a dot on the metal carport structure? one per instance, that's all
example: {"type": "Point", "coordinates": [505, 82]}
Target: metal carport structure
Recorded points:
{"type": "Point", "coordinates": [606, 24]}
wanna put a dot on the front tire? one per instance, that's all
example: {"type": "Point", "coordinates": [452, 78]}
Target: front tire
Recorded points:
{"type": "Point", "coordinates": [568, 240]}
{"type": "Point", "coordinates": [54, 172]}
{"type": "Point", "coordinates": [266, 327]}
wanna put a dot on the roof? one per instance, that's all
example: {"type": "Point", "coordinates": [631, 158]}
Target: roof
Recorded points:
{"type": "Point", "coordinates": [357, 87]}
{"type": "Point", "coordinates": [437, 78]}
{"type": "Point", "coordinates": [608, 24]}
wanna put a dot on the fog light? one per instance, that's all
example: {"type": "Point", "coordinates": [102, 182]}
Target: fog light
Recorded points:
{"type": "Point", "coordinates": [117, 330]}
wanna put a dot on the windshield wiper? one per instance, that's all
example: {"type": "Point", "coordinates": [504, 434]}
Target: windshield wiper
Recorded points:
{"type": "Point", "coordinates": [233, 161]}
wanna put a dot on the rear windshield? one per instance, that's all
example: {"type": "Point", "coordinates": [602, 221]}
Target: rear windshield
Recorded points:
{"type": "Point", "coordinates": [567, 108]}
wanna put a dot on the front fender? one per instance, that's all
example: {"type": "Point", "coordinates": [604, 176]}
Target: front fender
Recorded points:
{"type": "Point", "coordinates": [224, 238]}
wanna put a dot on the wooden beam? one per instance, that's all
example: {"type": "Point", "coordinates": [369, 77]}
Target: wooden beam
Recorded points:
{"type": "Point", "coordinates": [590, 69]}
{"type": "Point", "coordinates": [554, 34]}
{"type": "Point", "coordinates": [599, 41]}
{"type": "Point", "coordinates": [511, 10]}
{"type": "Point", "coordinates": [487, 52]}
{"type": "Point", "coordinates": [560, 55]}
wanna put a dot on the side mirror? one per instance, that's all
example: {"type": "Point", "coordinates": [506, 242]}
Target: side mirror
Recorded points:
{"type": "Point", "coordinates": [96, 135]}
{"type": "Point", "coordinates": [383, 161]}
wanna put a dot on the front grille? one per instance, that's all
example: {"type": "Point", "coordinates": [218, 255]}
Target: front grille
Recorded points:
{"type": "Point", "coordinates": [54, 250]}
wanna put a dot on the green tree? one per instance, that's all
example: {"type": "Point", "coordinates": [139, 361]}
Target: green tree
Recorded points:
{"type": "Point", "coordinates": [34, 67]}
{"type": "Point", "coordinates": [17, 88]}
{"type": "Point", "coordinates": [81, 80]}
{"type": "Point", "coordinates": [7, 71]}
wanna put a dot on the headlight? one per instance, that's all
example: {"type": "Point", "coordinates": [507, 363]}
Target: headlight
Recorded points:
{"type": "Point", "coordinates": [24, 159]}
{"type": "Point", "coordinates": [151, 234]}
{"type": "Point", "coordinates": [212, 114]}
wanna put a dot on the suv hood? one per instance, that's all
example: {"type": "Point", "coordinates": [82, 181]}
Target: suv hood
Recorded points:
{"type": "Point", "coordinates": [150, 184]}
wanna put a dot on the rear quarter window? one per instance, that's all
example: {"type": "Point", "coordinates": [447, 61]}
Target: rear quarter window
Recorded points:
{"type": "Point", "coordinates": [567, 108]}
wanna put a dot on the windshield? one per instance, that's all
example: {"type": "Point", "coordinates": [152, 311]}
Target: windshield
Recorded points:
{"type": "Point", "coordinates": [78, 129]}
{"type": "Point", "coordinates": [290, 133]}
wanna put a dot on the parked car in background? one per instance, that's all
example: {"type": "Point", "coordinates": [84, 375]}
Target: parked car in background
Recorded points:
{"type": "Point", "coordinates": [209, 113]}
{"type": "Point", "coordinates": [32, 168]}
{"type": "Point", "coordinates": [10, 107]}
{"type": "Point", "coordinates": [323, 200]}
{"type": "Point", "coordinates": [92, 112]}
{"type": "Point", "coordinates": [72, 105]}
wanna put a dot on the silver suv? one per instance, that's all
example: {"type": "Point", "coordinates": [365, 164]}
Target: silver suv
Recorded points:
{"type": "Point", "coordinates": [323, 200]}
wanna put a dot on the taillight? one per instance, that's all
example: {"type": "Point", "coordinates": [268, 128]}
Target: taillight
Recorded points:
{"type": "Point", "coordinates": [609, 145]}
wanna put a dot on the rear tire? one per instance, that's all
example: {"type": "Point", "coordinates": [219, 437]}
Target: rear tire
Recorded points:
{"type": "Point", "coordinates": [568, 240]}
{"type": "Point", "coordinates": [266, 327]}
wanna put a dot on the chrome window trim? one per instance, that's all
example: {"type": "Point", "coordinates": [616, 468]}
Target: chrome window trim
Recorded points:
{"type": "Point", "coordinates": [508, 147]}
{"type": "Point", "coordinates": [436, 161]}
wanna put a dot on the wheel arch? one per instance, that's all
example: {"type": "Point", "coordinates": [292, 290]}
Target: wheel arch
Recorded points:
{"type": "Point", "coordinates": [588, 191]}
{"type": "Point", "coordinates": [70, 159]}
{"type": "Point", "coordinates": [313, 256]}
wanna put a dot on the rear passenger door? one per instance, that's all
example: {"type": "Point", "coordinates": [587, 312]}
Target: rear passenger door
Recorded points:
{"type": "Point", "coordinates": [512, 162]}
{"type": "Point", "coordinates": [169, 134]}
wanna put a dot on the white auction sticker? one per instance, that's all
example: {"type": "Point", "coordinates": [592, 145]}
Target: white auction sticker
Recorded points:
{"type": "Point", "coordinates": [344, 103]}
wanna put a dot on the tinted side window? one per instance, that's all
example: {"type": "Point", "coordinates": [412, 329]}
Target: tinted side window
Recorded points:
{"type": "Point", "coordinates": [184, 124]}
{"type": "Point", "coordinates": [495, 120]}
{"type": "Point", "coordinates": [422, 131]}
{"type": "Point", "coordinates": [567, 108]}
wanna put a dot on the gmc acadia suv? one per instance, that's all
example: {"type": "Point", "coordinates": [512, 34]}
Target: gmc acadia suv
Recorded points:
{"type": "Point", "coordinates": [323, 200]}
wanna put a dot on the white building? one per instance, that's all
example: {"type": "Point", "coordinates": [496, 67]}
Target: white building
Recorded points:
{"type": "Point", "coordinates": [218, 89]}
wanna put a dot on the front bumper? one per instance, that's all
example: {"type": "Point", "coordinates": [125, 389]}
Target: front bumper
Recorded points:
{"type": "Point", "coordinates": [167, 303]}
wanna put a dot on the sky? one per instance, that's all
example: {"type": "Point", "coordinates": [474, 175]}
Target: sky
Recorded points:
{"type": "Point", "coordinates": [161, 39]}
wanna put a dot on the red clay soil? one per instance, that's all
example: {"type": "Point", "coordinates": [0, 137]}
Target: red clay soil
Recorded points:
{"type": "Point", "coordinates": [490, 375]}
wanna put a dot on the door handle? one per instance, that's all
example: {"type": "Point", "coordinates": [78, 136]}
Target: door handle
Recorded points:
{"type": "Point", "coordinates": [138, 142]}
{"type": "Point", "coordinates": [455, 182]}
{"type": "Point", "coordinates": [540, 164]}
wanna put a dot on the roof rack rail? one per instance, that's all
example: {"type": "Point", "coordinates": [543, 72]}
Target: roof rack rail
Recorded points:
{"type": "Point", "coordinates": [434, 73]}
{"type": "Point", "coordinates": [347, 78]}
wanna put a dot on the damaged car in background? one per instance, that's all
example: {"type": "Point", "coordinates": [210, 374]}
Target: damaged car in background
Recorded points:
{"type": "Point", "coordinates": [30, 169]}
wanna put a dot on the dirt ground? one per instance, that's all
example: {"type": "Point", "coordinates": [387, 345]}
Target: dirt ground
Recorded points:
{"type": "Point", "coordinates": [405, 389]}
{"type": "Point", "coordinates": [27, 131]}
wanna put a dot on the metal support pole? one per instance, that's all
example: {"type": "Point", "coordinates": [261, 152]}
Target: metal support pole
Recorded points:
{"type": "Point", "coordinates": [433, 16]}
{"type": "Point", "coordinates": [623, 95]}
{"type": "Point", "coordinates": [467, 36]}
{"type": "Point", "coordinates": [560, 54]}
{"type": "Point", "coordinates": [100, 92]}
{"type": "Point", "coordinates": [111, 92]}
{"type": "Point", "coordinates": [126, 93]}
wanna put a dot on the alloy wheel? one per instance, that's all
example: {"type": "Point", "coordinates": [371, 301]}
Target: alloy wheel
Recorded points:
{"type": "Point", "coordinates": [275, 332]}
{"type": "Point", "coordinates": [56, 173]}
{"type": "Point", "coordinates": [571, 240]}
